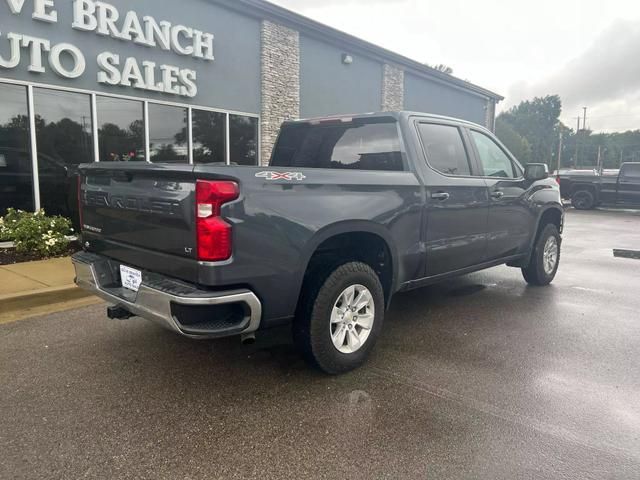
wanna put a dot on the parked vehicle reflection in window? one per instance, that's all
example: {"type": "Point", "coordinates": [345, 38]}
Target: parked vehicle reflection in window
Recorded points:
{"type": "Point", "coordinates": [16, 182]}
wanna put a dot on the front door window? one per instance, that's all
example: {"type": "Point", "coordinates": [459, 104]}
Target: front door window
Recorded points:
{"type": "Point", "coordinates": [494, 161]}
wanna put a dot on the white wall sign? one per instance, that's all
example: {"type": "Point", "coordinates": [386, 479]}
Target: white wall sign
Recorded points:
{"type": "Point", "coordinates": [104, 19]}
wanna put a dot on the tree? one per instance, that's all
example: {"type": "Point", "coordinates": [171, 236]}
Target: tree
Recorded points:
{"type": "Point", "coordinates": [517, 144]}
{"type": "Point", "coordinates": [165, 154]}
{"type": "Point", "coordinates": [208, 137]}
{"type": "Point", "coordinates": [66, 140]}
{"type": "Point", "coordinates": [441, 67]}
{"type": "Point", "coordinates": [537, 121]}
{"type": "Point", "coordinates": [121, 145]}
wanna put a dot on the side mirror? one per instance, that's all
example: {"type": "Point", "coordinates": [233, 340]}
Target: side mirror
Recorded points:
{"type": "Point", "coordinates": [536, 171]}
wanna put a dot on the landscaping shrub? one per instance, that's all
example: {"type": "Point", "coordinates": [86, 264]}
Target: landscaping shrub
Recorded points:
{"type": "Point", "coordinates": [8, 223]}
{"type": "Point", "coordinates": [36, 233]}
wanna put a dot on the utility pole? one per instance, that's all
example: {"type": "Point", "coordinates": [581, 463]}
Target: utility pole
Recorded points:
{"type": "Point", "coordinates": [577, 144]}
{"type": "Point", "coordinates": [560, 153]}
{"type": "Point", "coordinates": [584, 124]}
{"type": "Point", "coordinates": [621, 157]}
{"type": "Point", "coordinates": [599, 167]}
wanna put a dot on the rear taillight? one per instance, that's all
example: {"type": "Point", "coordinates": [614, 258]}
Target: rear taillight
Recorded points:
{"type": "Point", "coordinates": [558, 179]}
{"type": "Point", "coordinates": [213, 233]}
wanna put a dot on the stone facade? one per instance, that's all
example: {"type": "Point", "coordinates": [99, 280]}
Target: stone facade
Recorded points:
{"type": "Point", "coordinates": [392, 88]}
{"type": "Point", "coordinates": [280, 82]}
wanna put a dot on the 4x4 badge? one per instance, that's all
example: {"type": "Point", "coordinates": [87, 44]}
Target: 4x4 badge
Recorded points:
{"type": "Point", "coordinates": [281, 176]}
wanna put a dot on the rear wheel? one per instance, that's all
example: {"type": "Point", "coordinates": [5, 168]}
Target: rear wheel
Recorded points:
{"type": "Point", "coordinates": [340, 317]}
{"type": "Point", "coordinates": [583, 200]}
{"type": "Point", "coordinates": [545, 259]}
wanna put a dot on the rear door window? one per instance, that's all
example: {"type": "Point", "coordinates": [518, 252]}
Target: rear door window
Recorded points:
{"type": "Point", "coordinates": [631, 171]}
{"type": "Point", "coordinates": [444, 149]}
{"type": "Point", "coordinates": [352, 145]}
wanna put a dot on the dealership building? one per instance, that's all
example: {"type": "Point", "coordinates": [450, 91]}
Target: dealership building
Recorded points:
{"type": "Point", "coordinates": [194, 81]}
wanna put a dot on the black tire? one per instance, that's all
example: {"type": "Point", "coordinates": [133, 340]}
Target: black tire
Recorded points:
{"type": "Point", "coordinates": [535, 273]}
{"type": "Point", "coordinates": [312, 326]}
{"type": "Point", "coordinates": [583, 200]}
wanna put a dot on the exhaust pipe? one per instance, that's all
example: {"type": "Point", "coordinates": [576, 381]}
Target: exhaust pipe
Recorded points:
{"type": "Point", "coordinates": [248, 338]}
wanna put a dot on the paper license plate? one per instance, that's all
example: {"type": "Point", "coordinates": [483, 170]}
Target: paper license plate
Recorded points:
{"type": "Point", "coordinates": [131, 278]}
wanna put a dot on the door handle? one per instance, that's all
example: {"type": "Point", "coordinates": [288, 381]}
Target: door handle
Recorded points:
{"type": "Point", "coordinates": [441, 196]}
{"type": "Point", "coordinates": [497, 194]}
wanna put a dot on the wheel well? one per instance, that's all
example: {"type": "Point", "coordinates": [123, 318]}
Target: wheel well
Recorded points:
{"type": "Point", "coordinates": [551, 216]}
{"type": "Point", "coordinates": [363, 247]}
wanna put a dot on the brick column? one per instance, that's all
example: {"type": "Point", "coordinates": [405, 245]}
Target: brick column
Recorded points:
{"type": "Point", "coordinates": [392, 88]}
{"type": "Point", "coordinates": [280, 82]}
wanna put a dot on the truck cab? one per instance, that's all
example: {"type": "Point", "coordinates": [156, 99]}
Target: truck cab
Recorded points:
{"type": "Point", "coordinates": [628, 185]}
{"type": "Point", "coordinates": [609, 188]}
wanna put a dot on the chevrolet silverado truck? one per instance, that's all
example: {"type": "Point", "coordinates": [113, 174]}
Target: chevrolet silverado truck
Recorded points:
{"type": "Point", "coordinates": [350, 211]}
{"type": "Point", "coordinates": [590, 190]}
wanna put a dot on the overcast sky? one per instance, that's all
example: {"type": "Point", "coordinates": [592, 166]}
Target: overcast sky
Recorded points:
{"type": "Point", "coordinates": [586, 51]}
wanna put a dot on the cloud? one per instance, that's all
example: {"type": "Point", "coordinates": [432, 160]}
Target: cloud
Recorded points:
{"type": "Point", "coordinates": [605, 77]}
{"type": "Point", "coordinates": [584, 50]}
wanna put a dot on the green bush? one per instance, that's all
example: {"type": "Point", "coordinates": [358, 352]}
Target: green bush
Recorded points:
{"type": "Point", "coordinates": [8, 223]}
{"type": "Point", "coordinates": [36, 233]}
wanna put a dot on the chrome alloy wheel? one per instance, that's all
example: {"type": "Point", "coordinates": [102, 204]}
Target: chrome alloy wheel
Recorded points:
{"type": "Point", "coordinates": [352, 319]}
{"type": "Point", "coordinates": [550, 255]}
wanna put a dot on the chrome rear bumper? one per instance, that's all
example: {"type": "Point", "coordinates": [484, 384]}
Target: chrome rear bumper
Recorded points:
{"type": "Point", "coordinates": [159, 297]}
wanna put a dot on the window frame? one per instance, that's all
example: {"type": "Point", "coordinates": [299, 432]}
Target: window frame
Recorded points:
{"type": "Point", "coordinates": [466, 143]}
{"type": "Point", "coordinates": [517, 167]}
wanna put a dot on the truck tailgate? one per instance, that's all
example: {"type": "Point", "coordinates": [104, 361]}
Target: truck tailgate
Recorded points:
{"type": "Point", "coordinates": [139, 212]}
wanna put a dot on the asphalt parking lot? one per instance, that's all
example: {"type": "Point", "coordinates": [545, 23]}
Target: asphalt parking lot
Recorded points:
{"type": "Point", "coordinates": [481, 377]}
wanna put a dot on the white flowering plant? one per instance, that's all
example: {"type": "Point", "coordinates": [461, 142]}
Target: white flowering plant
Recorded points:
{"type": "Point", "coordinates": [36, 233]}
{"type": "Point", "coordinates": [5, 236]}
{"type": "Point", "coordinates": [8, 223]}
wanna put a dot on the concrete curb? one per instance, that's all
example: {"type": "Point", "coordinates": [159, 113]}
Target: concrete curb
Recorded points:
{"type": "Point", "coordinates": [39, 298]}
{"type": "Point", "coordinates": [6, 245]}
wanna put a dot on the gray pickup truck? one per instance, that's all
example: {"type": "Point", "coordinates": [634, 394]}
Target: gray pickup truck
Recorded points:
{"type": "Point", "coordinates": [350, 211]}
{"type": "Point", "coordinates": [587, 190]}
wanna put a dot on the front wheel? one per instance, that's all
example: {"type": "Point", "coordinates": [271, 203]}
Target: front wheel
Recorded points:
{"type": "Point", "coordinates": [545, 259]}
{"type": "Point", "coordinates": [340, 318]}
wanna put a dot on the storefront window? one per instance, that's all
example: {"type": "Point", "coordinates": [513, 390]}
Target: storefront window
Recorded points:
{"type": "Point", "coordinates": [168, 138]}
{"type": "Point", "coordinates": [64, 139]}
{"type": "Point", "coordinates": [243, 133]}
{"type": "Point", "coordinates": [120, 130]}
{"type": "Point", "coordinates": [16, 179]}
{"type": "Point", "coordinates": [209, 137]}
